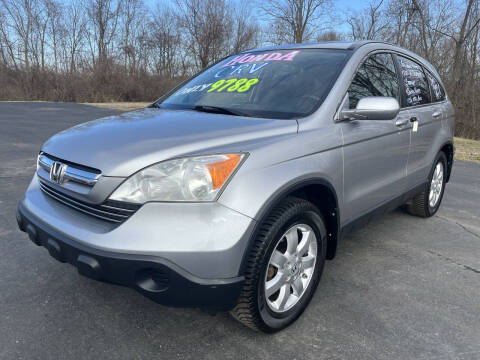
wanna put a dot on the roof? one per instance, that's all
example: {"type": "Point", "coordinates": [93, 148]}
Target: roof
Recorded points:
{"type": "Point", "coordinates": [345, 45]}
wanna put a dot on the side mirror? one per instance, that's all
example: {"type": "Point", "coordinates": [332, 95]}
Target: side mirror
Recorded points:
{"type": "Point", "coordinates": [373, 108]}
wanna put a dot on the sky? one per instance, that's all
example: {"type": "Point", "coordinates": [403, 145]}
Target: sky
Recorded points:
{"type": "Point", "coordinates": [351, 4]}
{"type": "Point", "coordinates": [340, 4]}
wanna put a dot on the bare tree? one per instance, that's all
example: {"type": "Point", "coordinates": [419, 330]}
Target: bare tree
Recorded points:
{"type": "Point", "coordinates": [103, 16]}
{"type": "Point", "coordinates": [164, 43]}
{"type": "Point", "coordinates": [75, 31]}
{"type": "Point", "coordinates": [132, 20]}
{"type": "Point", "coordinates": [55, 28]}
{"type": "Point", "coordinates": [20, 13]}
{"type": "Point", "coordinates": [369, 23]}
{"type": "Point", "coordinates": [300, 17]}
{"type": "Point", "coordinates": [428, 22]}
{"type": "Point", "coordinates": [244, 30]}
{"type": "Point", "coordinates": [208, 26]}
{"type": "Point", "coordinates": [38, 34]}
{"type": "Point", "coordinates": [6, 43]}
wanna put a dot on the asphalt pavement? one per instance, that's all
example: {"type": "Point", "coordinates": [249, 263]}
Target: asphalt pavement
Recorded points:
{"type": "Point", "coordinates": [400, 288]}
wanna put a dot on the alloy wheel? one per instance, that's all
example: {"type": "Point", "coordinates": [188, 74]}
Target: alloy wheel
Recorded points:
{"type": "Point", "coordinates": [436, 185]}
{"type": "Point", "coordinates": [290, 268]}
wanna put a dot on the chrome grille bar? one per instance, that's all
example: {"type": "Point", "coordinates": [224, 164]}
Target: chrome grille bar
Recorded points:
{"type": "Point", "coordinates": [72, 173]}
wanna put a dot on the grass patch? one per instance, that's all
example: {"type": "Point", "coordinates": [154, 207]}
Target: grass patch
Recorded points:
{"type": "Point", "coordinates": [123, 106]}
{"type": "Point", "coordinates": [467, 150]}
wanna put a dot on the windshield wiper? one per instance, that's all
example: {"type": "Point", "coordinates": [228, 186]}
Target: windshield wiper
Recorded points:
{"type": "Point", "coordinates": [215, 109]}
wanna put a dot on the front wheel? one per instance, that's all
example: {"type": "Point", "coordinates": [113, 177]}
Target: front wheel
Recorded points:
{"type": "Point", "coordinates": [284, 267]}
{"type": "Point", "coordinates": [426, 203]}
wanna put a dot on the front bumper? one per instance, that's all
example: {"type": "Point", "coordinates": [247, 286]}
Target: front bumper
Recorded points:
{"type": "Point", "coordinates": [207, 240]}
{"type": "Point", "coordinates": [155, 277]}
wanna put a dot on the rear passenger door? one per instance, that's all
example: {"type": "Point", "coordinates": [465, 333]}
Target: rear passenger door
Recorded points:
{"type": "Point", "coordinates": [375, 151]}
{"type": "Point", "coordinates": [423, 99]}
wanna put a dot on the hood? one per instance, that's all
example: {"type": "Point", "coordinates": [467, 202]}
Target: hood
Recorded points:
{"type": "Point", "coordinates": [123, 144]}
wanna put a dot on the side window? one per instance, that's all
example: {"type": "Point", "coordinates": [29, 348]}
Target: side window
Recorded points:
{"type": "Point", "coordinates": [416, 84]}
{"type": "Point", "coordinates": [375, 77]}
{"type": "Point", "coordinates": [438, 94]}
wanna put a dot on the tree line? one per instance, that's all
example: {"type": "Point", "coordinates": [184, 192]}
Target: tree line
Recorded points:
{"type": "Point", "coordinates": [129, 50]}
{"type": "Point", "coordinates": [101, 50]}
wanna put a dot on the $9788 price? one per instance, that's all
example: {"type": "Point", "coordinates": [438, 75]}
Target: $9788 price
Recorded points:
{"type": "Point", "coordinates": [231, 85]}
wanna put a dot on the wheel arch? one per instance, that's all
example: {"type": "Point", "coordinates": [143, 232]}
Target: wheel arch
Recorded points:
{"type": "Point", "coordinates": [321, 193]}
{"type": "Point", "coordinates": [449, 151]}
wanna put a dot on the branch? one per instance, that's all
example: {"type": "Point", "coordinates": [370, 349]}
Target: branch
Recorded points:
{"type": "Point", "coordinates": [472, 28]}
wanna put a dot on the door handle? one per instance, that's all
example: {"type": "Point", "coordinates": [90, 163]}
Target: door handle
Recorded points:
{"type": "Point", "coordinates": [436, 114]}
{"type": "Point", "coordinates": [401, 122]}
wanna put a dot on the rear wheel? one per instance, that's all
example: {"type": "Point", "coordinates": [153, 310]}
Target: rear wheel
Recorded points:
{"type": "Point", "coordinates": [284, 267]}
{"type": "Point", "coordinates": [426, 203]}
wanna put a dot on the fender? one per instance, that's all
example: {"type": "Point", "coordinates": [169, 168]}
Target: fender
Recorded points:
{"type": "Point", "coordinates": [277, 197]}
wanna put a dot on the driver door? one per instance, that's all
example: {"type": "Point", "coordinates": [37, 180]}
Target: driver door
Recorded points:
{"type": "Point", "coordinates": [375, 151]}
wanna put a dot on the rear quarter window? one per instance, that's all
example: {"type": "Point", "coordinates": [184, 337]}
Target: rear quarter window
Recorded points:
{"type": "Point", "coordinates": [438, 94]}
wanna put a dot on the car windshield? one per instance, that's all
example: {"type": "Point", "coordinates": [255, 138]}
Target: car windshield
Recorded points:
{"type": "Point", "coordinates": [282, 84]}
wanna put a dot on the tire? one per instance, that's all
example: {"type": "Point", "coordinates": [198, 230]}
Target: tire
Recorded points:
{"type": "Point", "coordinates": [267, 314]}
{"type": "Point", "coordinates": [421, 205]}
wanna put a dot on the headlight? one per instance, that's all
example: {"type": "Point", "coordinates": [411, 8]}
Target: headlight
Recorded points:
{"type": "Point", "coordinates": [198, 178]}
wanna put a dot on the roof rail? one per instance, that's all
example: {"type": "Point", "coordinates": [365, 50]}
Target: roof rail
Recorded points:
{"type": "Point", "coordinates": [356, 44]}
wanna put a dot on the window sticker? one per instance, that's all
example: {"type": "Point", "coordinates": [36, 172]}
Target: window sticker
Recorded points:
{"type": "Point", "coordinates": [231, 85]}
{"type": "Point", "coordinates": [231, 75]}
{"type": "Point", "coordinates": [196, 88]}
{"type": "Point", "coordinates": [265, 57]}
{"type": "Point", "coordinates": [236, 70]}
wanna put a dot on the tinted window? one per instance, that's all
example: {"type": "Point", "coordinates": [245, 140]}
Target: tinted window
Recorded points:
{"type": "Point", "coordinates": [438, 94]}
{"type": "Point", "coordinates": [375, 77]}
{"type": "Point", "coordinates": [415, 80]}
{"type": "Point", "coordinates": [278, 84]}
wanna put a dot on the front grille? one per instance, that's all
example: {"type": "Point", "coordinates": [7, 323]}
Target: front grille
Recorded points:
{"type": "Point", "coordinates": [69, 171]}
{"type": "Point", "coordinates": [113, 211]}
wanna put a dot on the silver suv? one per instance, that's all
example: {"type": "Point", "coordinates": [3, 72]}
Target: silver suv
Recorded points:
{"type": "Point", "coordinates": [232, 190]}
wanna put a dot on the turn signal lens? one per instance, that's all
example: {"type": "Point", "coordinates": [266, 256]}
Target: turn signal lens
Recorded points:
{"type": "Point", "coordinates": [221, 170]}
